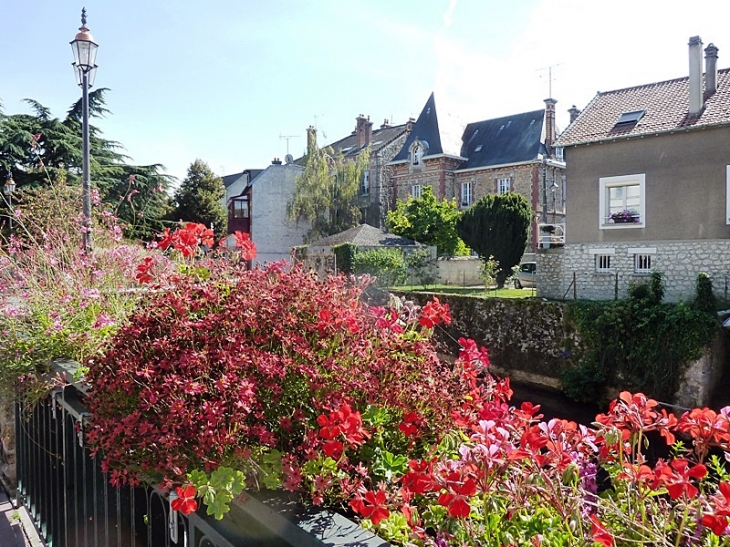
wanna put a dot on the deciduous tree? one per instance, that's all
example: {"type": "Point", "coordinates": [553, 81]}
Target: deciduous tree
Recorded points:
{"type": "Point", "coordinates": [325, 193]}
{"type": "Point", "coordinates": [497, 226]}
{"type": "Point", "coordinates": [429, 221]}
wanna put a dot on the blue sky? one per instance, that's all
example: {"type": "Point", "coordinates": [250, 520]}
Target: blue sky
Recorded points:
{"type": "Point", "coordinates": [221, 80]}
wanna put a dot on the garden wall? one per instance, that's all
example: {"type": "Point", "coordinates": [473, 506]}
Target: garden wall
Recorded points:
{"type": "Point", "coordinates": [531, 341]}
{"type": "Point", "coordinates": [462, 271]}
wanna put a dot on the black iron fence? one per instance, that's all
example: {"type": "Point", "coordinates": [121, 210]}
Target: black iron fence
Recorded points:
{"type": "Point", "coordinates": [72, 503]}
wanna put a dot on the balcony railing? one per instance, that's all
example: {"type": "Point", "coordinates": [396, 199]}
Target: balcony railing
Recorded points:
{"type": "Point", "coordinates": [551, 235]}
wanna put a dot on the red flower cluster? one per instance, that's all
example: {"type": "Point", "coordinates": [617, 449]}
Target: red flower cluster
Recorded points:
{"type": "Point", "coordinates": [187, 240]}
{"type": "Point", "coordinates": [434, 313]}
{"type": "Point", "coordinates": [372, 505]}
{"type": "Point", "coordinates": [341, 425]}
{"type": "Point", "coordinates": [185, 501]}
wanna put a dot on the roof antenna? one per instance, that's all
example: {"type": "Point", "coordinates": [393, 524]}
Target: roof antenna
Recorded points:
{"type": "Point", "coordinates": [550, 77]}
{"type": "Point", "coordinates": [288, 137]}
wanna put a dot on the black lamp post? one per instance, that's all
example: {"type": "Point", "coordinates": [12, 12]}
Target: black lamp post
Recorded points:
{"type": "Point", "coordinates": [8, 189]}
{"type": "Point", "coordinates": [84, 49]}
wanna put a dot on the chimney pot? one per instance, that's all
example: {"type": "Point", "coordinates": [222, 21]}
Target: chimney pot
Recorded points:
{"type": "Point", "coordinates": [695, 76]}
{"type": "Point", "coordinates": [386, 124]}
{"type": "Point", "coordinates": [363, 130]}
{"type": "Point", "coordinates": [574, 113]}
{"type": "Point", "coordinates": [710, 69]}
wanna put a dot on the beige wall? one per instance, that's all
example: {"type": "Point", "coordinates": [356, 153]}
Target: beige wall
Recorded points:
{"type": "Point", "coordinates": [685, 186]}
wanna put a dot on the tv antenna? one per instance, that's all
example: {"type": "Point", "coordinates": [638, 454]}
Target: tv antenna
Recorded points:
{"type": "Point", "coordinates": [550, 77]}
{"type": "Point", "coordinates": [288, 137]}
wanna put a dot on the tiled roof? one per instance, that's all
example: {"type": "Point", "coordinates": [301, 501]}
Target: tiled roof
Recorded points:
{"type": "Point", "coordinates": [365, 235]}
{"type": "Point", "coordinates": [426, 129]}
{"type": "Point", "coordinates": [666, 106]}
{"type": "Point", "coordinates": [510, 139]}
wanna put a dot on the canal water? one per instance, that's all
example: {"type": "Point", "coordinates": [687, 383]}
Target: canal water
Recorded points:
{"type": "Point", "coordinates": [554, 404]}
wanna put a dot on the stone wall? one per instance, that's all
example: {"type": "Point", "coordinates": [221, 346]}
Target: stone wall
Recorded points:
{"type": "Point", "coordinates": [679, 261]}
{"type": "Point", "coordinates": [531, 341]}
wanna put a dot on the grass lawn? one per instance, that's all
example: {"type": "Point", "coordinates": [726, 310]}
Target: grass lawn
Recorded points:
{"type": "Point", "coordinates": [476, 291]}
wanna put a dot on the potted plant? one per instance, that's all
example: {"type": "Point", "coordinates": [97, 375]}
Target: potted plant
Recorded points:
{"type": "Point", "coordinates": [627, 216]}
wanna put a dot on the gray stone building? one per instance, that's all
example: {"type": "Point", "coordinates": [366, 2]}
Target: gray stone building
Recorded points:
{"type": "Point", "coordinates": [648, 188]}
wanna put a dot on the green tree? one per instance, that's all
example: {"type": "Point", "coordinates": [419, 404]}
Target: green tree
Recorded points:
{"type": "Point", "coordinates": [199, 198]}
{"type": "Point", "coordinates": [386, 264]}
{"type": "Point", "coordinates": [429, 221]}
{"type": "Point", "coordinates": [496, 227]}
{"type": "Point", "coordinates": [325, 193]}
{"type": "Point", "coordinates": [38, 149]}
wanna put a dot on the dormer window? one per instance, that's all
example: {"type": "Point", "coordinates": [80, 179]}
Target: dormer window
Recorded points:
{"type": "Point", "coordinates": [417, 153]}
{"type": "Point", "coordinates": [629, 118]}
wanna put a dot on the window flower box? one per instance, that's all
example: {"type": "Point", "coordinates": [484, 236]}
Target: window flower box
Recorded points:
{"type": "Point", "coordinates": [625, 217]}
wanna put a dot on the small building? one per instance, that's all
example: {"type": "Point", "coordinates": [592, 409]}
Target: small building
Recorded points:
{"type": "Point", "coordinates": [648, 172]}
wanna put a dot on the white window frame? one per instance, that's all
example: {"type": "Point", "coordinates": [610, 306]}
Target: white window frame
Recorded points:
{"type": "Point", "coordinates": [467, 194]}
{"type": "Point", "coordinates": [507, 182]}
{"type": "Point", "coordinates": [416, 190]}
{"type": "Point", "coordinates": [642, 256]}
{"type": "Point", "coordinates": [365, 183]}
{"type": "Point", "coordinates": [602, 259]}
{"type": "Point", "coordinates": [606, 183]}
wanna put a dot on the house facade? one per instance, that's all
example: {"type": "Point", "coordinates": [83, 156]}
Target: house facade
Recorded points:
{"type": "Point", "coordinates": [237, 199]}
{"type": "Point", "coordinates": [508, 154]}
{"type": "Point", "coordinates": [648, 171]}
{"type": "Point", "coordinates": [262, 203]}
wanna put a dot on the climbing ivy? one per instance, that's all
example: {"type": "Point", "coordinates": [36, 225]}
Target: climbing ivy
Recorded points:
{"type": "Point", "coordinates": [637, 344]}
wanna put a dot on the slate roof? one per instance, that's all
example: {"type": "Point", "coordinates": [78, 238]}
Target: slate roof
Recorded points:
{"type": "Point", "coordinates": [510, 139]}
{"type": "Point", "coordinates": [365, 235]}
{"type": "Point", "coordinates": [426, 129]}
{"type": "Point", "coordinates": [666, 106]}
{"type": "Point", "coordinates": [230, 179]}
{"type": "Point", "coordinates": [380, 138]}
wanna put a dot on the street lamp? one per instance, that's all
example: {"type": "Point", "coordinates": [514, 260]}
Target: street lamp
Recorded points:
{"type": "Point", "coordinates": [84, 50]}
{"type": "Point", "coordinates": [8, 189]}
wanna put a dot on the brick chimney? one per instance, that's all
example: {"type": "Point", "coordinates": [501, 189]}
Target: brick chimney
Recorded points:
{"type": "Point", "coordinates": [386, 124]}
{"type": "Point", "coordinates": [363, 130]}
{"type": "Point", "coordinates": [276, 161]}
{"type": "Point", "coordinates": [550, 130]}
{"type": "Point", "coordinates": [574, 113]}
{"type": "Point", "coordinates": [409, 125]}
{"type": "Point", "coordinates": [710, 69]}
{"type": "Point", "coordinates": [311, 139]}
{"type": "Point", "coordinates": [695, 76]}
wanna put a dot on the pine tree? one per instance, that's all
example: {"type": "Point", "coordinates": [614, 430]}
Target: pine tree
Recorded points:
{"type": "Point", "coordinates": [496, 227]}
{"type": "Point", "coordinates": [199, 198]}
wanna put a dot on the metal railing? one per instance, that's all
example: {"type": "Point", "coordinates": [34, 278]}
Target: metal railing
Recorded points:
{"type": "Point", "coordinates": [72, 503]}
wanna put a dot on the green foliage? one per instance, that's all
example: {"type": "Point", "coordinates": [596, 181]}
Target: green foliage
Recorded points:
{"type": "Point", "coordinates": [199, 199]}
{"type": "Point", "coordinates": [638, 344]}
{"type": "Point", "coordinates": [387, 265]}
{"type": "Point", "coordinates": [488, 271]}
{"type": "Point", "coordinates": [325, 193]}
{"type": "Point", "coordinates": [429, 221]}
{"type": "Point", "coordinates": [218, 489]}
{"type": "Point", "coordinates": [422, 267]}
{"type": "Point", "coordinates": [496, 226]}
{"type": "Point", "coordinates": [38, 148]}
{"type": "Point", "coordinates": [345, 257]}
{"type": "Point", "coordinates": [705, 298]}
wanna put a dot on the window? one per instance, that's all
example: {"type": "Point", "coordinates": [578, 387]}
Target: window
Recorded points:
{"type": "Point", "coordinates": [643, 257]}
{"type": "Point", "coordinates": [365, 183]}
{"type": "Point", "coordinates": [642, 263]}
{"type": "Point", "coordinates": [622, 202]}
{"type": "Point", "coordinates": [559, 153]}
{"type": "Point", "coordinates": [240, 208]}
{"type": "Point", "coordinates": [466, 194]}
{"type": "Point", "coordinates": [416, 190]}
{"type": "Point", "coordinates": [602, 259]}
{"type": "Point", "coordinates": [603, 263]}
{"type": "Point", "coordinates": [416, 153]}
{"type": "Point", "coordinates": [504, 185]}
